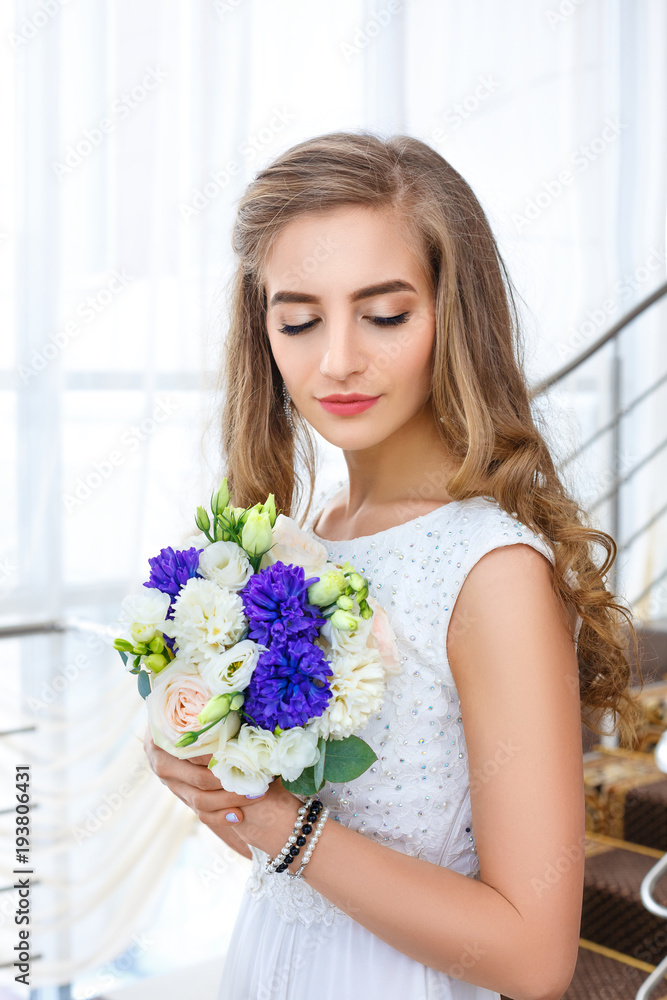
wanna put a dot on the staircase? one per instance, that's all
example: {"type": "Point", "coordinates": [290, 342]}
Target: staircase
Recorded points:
{"type": "Point", "coordinates": [626, 822]}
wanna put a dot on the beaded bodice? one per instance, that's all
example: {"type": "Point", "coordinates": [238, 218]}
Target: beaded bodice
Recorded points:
{"type": "Point", "coordinates": [416, 797]}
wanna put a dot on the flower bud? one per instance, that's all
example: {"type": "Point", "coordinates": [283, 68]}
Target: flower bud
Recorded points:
{"type": "Point", "coordinates": [142, 633]}
{"type": "Point", "coordinates": [156, 645]}
{"type": "Point", "coordinates": [257, 536]}
{"type": "Point", "coordinates": [236, 702]}
{"type": "Point", "coordinates": [363, 593]}
{"type": "Point", "coordinates": [123, 645]}
{"type": "Point", "coordinates": [220, 498]}
{"type": "Point", "coordinates": [185, 740]}
{"type": "Point", "coordinates": [202, 519]}
{"type": "Point", "coordinates": [356, 582]}
{"type": "Point", "coordinates": [327, 589]}
{"type": "Point", "coordinates": [270, 508]}
{"type": "Point", "coordinates": [345, 602]}
{"type": "Point", "coordinates": [215, 709]}
{"type": "Point", "coordinates": [156, 662]}
{"type": "Point", "coordinates": [365, 611]}
{"type": "Point", "coordinates": [344, 621]}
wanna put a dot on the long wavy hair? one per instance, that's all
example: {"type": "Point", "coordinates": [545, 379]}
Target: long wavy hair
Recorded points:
{"type": "Point", "coordinates": [478, 389]}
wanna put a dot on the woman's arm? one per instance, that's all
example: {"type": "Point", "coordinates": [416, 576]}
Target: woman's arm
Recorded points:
{"type": "Point", "coordinates": [516, 930]}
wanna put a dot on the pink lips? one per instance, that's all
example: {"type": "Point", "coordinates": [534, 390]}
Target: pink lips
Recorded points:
{"type": "Point", "coordinates": [335, 404]}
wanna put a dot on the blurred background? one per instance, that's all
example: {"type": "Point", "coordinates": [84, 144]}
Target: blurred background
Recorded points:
{"type": "Point", "coordinates": [129, 130]}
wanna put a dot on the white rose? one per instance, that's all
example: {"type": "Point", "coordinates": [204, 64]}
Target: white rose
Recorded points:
{"type": "Point", "coordinates": [207, 620]}
{"type": "Point", "coordinates": [292, 545]}
{"type": "Point", "coordinates": [295, 749]}
{"type": "Point", "coordinates": [226, 564]}
{"type": "Point", "coordinates": [178, 696]}
{"type": "Point", "coordinates": [357, 689]}
{"type": "Point", "coordinates": [232, 669]}
{"type": "Point", "coordinates": [241, 765]}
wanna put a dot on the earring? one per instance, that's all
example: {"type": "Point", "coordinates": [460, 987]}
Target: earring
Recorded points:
{"type": "Point", "coordinates": [287, 407]}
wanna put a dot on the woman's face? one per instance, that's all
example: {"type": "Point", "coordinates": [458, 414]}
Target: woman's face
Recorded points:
{"type": "Point", "coordinates": [350, 313]}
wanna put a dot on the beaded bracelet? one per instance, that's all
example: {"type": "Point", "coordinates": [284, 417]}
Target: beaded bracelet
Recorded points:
{"type": "Point", "coordinates": [311, 846]}
{"type": "Point", "coordinates": [306, 814]}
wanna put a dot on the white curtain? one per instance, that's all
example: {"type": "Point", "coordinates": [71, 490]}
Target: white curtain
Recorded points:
{"type": "Point", "coordinates": [130, 130]}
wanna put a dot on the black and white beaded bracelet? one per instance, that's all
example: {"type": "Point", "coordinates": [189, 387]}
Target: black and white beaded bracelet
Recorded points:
{"type": "Point", "coordinates": [306, 815]}
{"type": "Point", "coordinates": [311, 846]}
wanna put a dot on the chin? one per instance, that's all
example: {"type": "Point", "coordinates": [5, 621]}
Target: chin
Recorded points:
{"type": "Point", "coordinates": [351, 438]}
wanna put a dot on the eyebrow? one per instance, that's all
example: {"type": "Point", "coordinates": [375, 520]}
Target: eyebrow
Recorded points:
{"type": "Point", "coordinates": [382, 288]}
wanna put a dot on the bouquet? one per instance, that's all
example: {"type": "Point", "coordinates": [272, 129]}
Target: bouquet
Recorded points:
{"type": "Point", "coordinates": [251, 646]}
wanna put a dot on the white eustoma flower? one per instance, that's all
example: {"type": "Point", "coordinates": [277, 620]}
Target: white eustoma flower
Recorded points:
{"type": "Point", "coordinates": [295, 749]}
{"type": "Point", "coordinates": [142, 613]}
{"type": "Point", "coordinates": [179, 694]}
{"type": "Point", "coordinates": [226, 564]}
{"type": "Point", "coordinates": [242, 765]}
{"type": "Point", "coordinates": [207, 620]}
{"type": "Point", "coordinates": [292, 545]}
{"type": "Point", "coordinates": [357, 687]}
{"type": "Point", "coordinates": [232, 669]}
{"type": "Point", "coordinates": [148, 606]}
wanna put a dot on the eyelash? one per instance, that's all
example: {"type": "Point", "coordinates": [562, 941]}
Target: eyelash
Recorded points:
{"type": "Point", "coordinates": [292, 331]}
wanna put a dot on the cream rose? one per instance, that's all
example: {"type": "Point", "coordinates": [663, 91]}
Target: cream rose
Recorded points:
{"type": "Point", "coordinates": [292, 545]}
{"type": "Point", "coordinates": [357, 689]}
{"type": "Point", "coordinates": [384, 637]}
{"type": "Point", "coordinates": [226, 564]}
{"type": "Point", "coordinates": [178, 696]}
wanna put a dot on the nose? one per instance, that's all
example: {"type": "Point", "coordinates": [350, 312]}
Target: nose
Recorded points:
{"type": "Point", "coordinates": [343, 355]}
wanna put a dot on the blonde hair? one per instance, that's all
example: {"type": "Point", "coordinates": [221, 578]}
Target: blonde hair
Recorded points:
{"type": "Point", "coordinates": [478, 389]}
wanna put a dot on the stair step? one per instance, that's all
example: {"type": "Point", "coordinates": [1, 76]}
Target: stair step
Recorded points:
{"type": "Point", "coordinates": [605, 974]}
{"type": "Point", "coordinates": [626, 797]}
{"type": "Point", "coordinates": [613, 914]}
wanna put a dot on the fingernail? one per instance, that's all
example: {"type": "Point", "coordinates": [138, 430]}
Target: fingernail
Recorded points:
{"type": "Point", "coordinates": [255, 796]}
{"type": "Point", "coordinates": [232, 818]}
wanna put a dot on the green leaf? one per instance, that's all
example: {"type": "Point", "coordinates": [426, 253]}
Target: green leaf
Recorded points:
{"type": "Point", "coordinates": [347, 759]}
{"type": "Point", "coordinates": [124, 657]}
{"type": "Point", "coordinates": [143, 683]}
{"type": "Point", "coordinates": [318, 769]}
{"type": "Point", "coordinates": [304, 784]}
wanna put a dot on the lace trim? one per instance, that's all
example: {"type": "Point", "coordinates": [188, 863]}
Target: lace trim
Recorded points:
{"type": "Point", "coordinates": [292, 899]}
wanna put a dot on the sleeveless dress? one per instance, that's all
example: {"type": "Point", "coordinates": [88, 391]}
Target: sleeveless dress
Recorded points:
{"type": "Point", "coordinates": [291, 943]}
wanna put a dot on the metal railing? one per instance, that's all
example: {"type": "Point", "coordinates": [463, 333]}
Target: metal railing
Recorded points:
{"type": "Point", "coordinates": [620, 411]}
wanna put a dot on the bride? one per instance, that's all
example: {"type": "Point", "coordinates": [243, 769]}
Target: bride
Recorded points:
{"type": "Point", "coordinates": [371, 304]}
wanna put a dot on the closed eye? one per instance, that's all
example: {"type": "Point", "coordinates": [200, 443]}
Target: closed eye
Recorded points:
{"type": "Point", "coordinates": [378, 320]}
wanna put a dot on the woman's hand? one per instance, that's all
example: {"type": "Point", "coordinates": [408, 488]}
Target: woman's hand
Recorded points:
{"type": "Point", "coordinates": [264, 822]}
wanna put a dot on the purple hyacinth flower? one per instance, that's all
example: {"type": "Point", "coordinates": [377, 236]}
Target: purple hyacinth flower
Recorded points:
{"type": "Point", "coordinates": [171, 569]}
{"type": "Point", "coordinates": [275, 601]}
{"type": "Point", "coordinates": [289, 685]}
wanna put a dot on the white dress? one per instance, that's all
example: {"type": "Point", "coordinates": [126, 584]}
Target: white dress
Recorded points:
{"type": "Point", "coordinates": [289, 941]}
